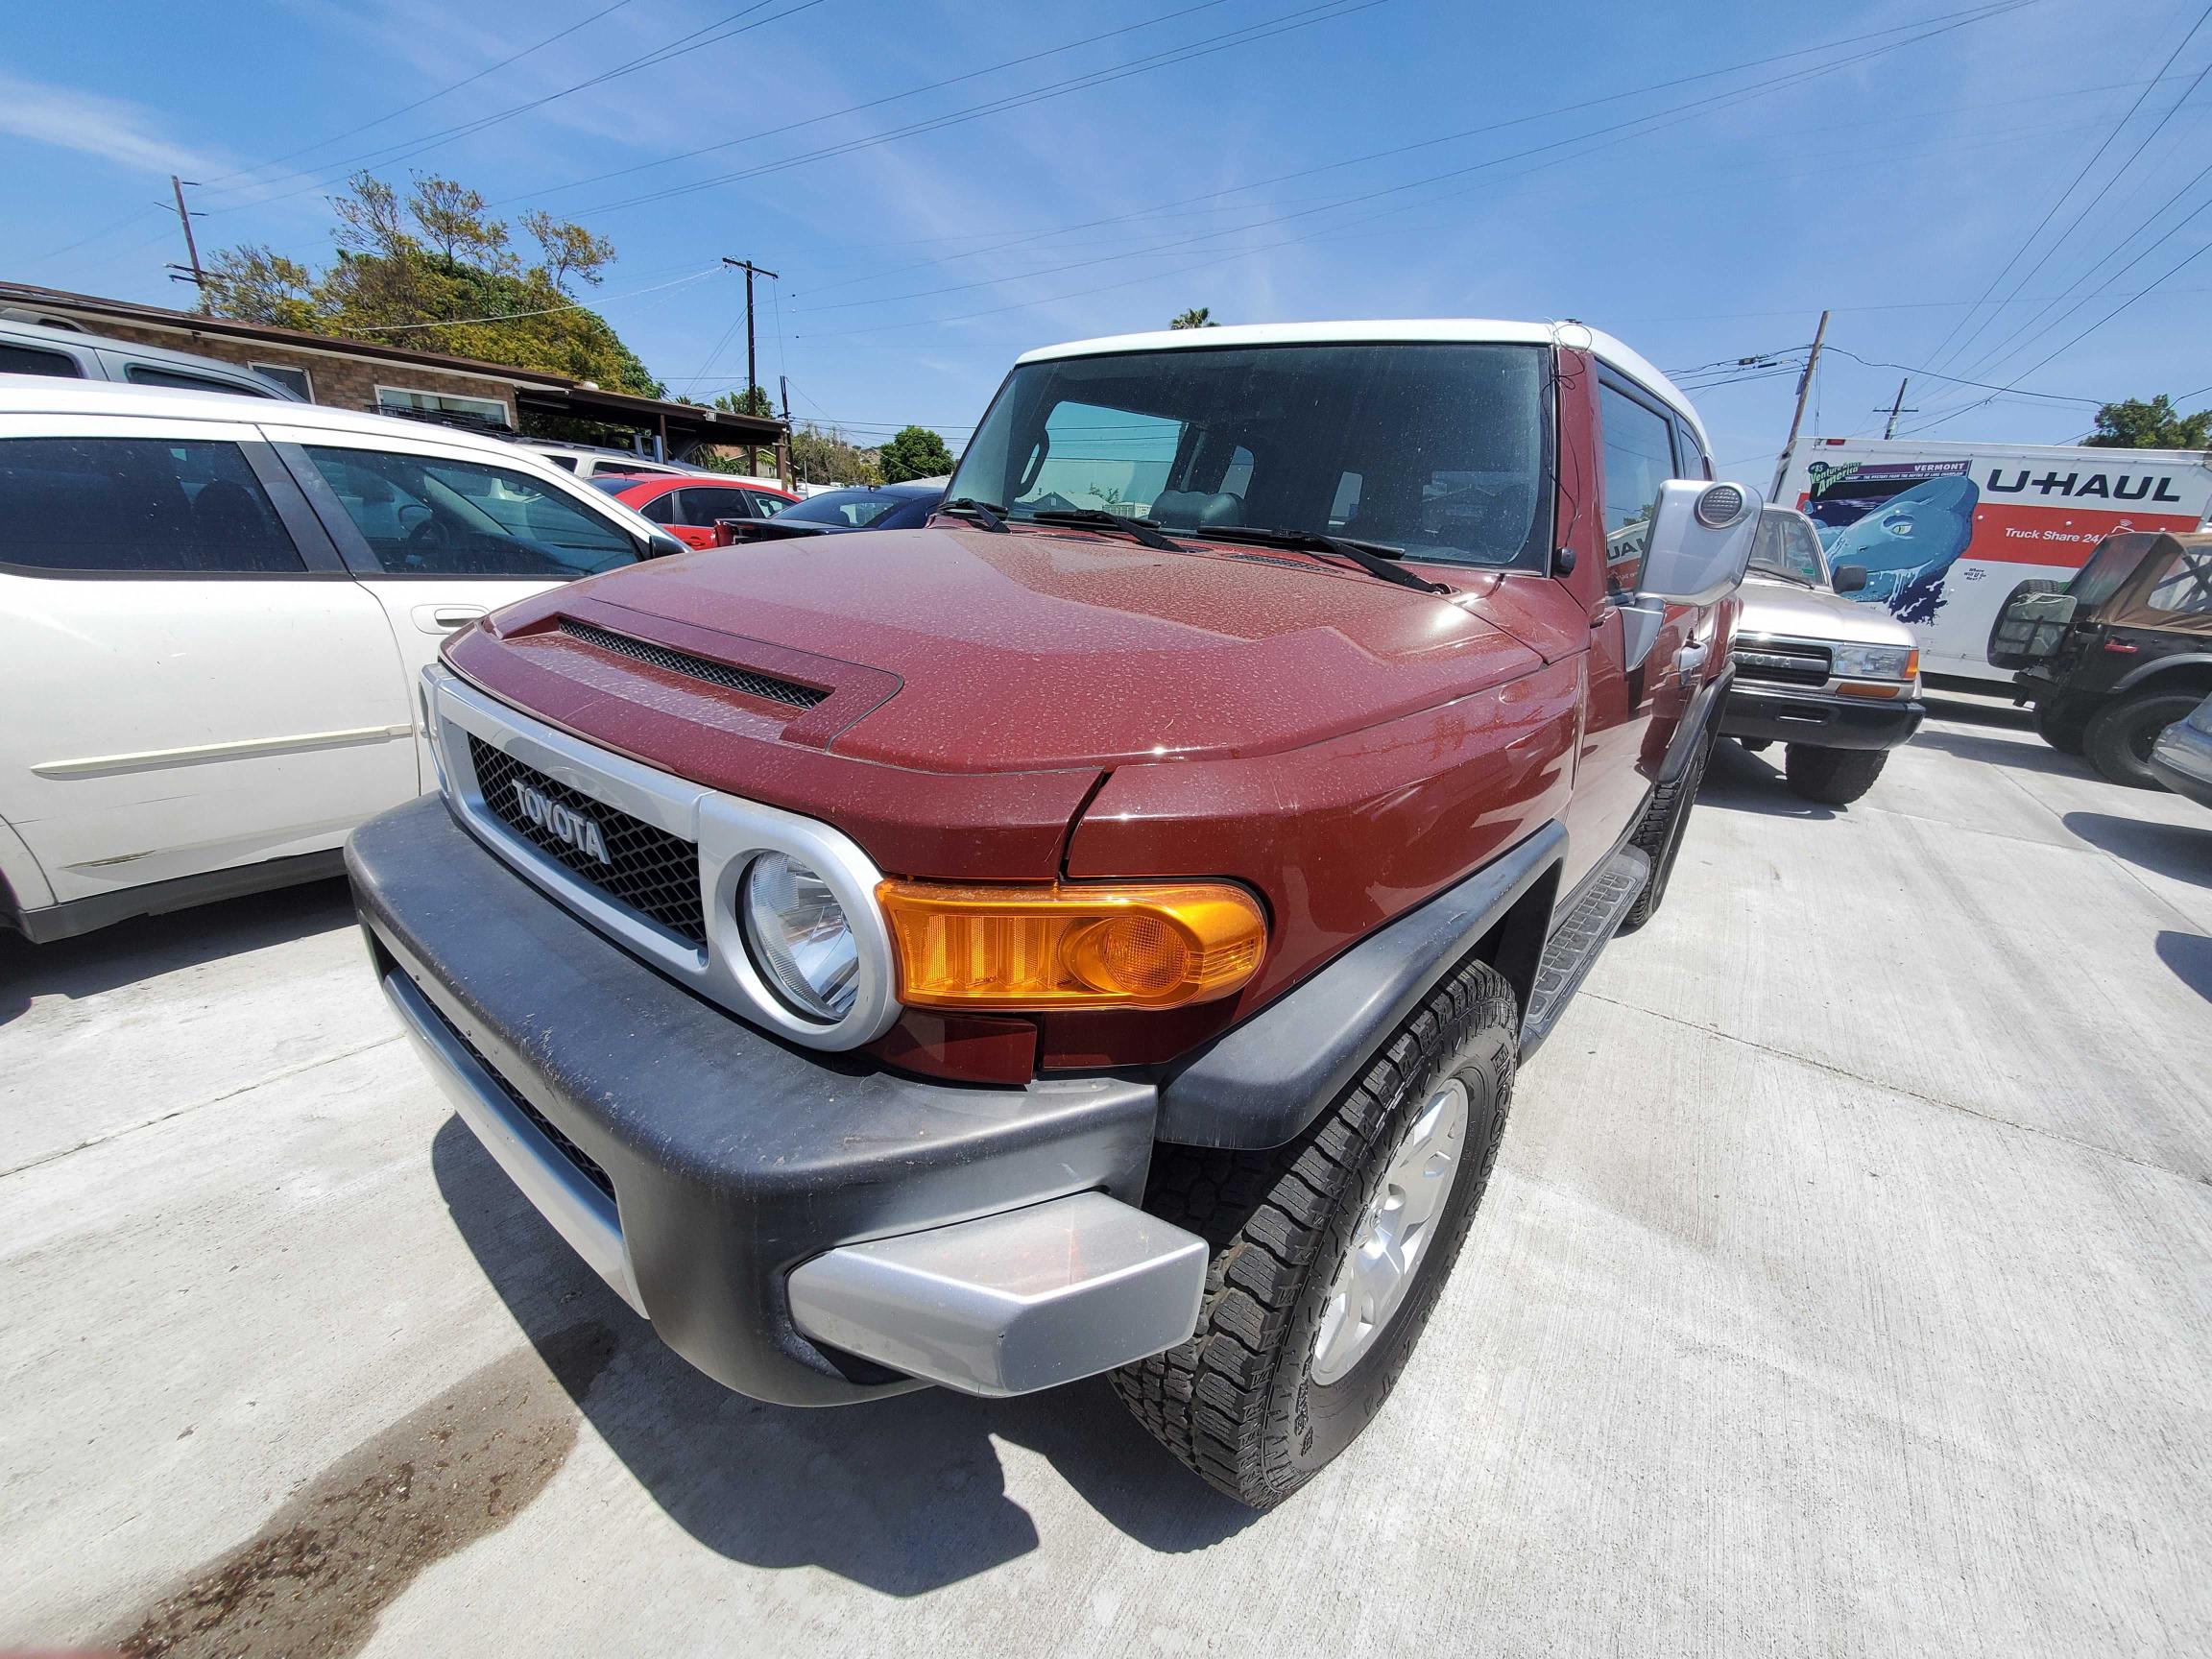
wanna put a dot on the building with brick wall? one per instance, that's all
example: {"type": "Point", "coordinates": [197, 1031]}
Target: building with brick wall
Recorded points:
{"type": "Point", "coordinates": [396, 380]}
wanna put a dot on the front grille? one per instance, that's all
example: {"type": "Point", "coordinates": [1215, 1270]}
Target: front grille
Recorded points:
{"type": "Point", "coordinates": [586, 1165]}
{"type": "Point", "coordinates": [647, 868]}
{"type": "Point", "coordinates": [1782, 662]}
{"type": "Point", "coordinates": [766, 685]}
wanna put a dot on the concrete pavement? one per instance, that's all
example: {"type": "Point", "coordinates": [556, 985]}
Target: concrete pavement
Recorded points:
{"type": "Point", "coordinates": [1845, 1286]}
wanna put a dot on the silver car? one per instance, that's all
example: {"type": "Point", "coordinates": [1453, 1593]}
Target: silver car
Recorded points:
{"type": "Point", "coordinates": [1836, 681]}
{"type": "Point", "coordinates": [2181, 759]}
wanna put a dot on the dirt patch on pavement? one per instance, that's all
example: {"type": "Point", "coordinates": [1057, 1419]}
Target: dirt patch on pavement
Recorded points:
{"type": "Point", "coordinates": [344, 1546]}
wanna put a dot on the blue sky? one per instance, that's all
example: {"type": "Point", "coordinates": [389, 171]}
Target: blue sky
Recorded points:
{"type": "Point", "coordinates": [1231, 159]}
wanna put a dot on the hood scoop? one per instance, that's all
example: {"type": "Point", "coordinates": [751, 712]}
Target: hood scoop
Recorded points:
{"type": "Point", "coordinates": [729, 678]}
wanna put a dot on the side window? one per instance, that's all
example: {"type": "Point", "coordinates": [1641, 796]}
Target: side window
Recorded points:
{"type": "Point", "coordinates": [1237, 480]}
{"type": "Point", "coordinates": [661, 509]}
{"type": "Point", "coordinates": [1695, 463]}
{"type": "Point", "coordinates": [1639, 458]}
{"type": "Point", "coordinates": [30, 360]}
{"type": "Point", "coordinates": [702, 507]}
{"type": "Point", "coordinates": [1100, 457]}
{"type": "Point", "coordinates": [151, 506]}
{"type": "Point", "coordinates": [2185, 589]}
{"type": "Point", "coordinates": [147, 374]}
{"type": "Point", "coordinates": [1805, 543]}
{"type": "Point", "coordinates": [431, 516]}
{"type": "Point", "coordinates": [296, 380]}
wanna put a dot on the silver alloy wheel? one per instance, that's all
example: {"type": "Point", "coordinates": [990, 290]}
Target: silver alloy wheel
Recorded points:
{"type": "Point", "coordinates": [1393, 1235]}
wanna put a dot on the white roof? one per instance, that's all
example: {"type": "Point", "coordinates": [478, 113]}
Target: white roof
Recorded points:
{"type": "Point", "coordinates": [1482, 331]}
{"type": "Point", "coordinates": [52, 395]}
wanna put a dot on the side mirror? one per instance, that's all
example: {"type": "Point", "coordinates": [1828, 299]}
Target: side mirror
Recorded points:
{"type": "Point", "coordinates": [1850, 578]}
{"type": "Point", "coordinates": [1696, 552]}
{"type": "Point", "coordinates": [663, 546]}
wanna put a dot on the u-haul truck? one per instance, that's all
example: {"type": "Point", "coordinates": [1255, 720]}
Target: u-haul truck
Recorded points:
{"type": "Point", "coordinates": [1947, 531]}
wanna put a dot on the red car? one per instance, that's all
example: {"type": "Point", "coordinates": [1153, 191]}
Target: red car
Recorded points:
{"type": "Point", "coordinates": [1097, 930]}
{"type": "Point", "coordinates": [688, 507]}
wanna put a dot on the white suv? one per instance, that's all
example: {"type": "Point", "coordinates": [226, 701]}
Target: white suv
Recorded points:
{"type": "Point", "coordinates": [213, 615]}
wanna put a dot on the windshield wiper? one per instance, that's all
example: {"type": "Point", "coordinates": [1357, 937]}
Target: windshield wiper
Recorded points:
{"type": "Point", "coordinates": [1373, 557]}
{"type": "Point", "coordinates": [1786, 576]}
{"type": "Point", "coordinates": [1145, 530]}
{"type": "Point", "coordinates": [988, 514]}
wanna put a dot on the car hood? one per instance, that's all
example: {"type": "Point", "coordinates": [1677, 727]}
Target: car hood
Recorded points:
{"type": "Point", "coordinates": [955, 650]}
{"type": "Point", "coordinates": [1778, 609]}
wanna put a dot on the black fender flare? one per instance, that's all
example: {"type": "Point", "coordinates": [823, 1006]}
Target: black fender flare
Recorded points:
{"type": "Point", "coordinates": [1260, 1083]}
{"type": "Point", "coordinates": [2200, 661]}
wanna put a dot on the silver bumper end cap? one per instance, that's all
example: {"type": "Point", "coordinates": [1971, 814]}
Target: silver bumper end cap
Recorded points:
{"type": "Point", "coordinates": [1011, 1303]}
{"type": "Point", "coordinates": [579, 1212]}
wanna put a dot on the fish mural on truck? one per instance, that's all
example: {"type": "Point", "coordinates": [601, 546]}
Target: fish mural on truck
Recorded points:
{"type": "Point", "coordinates": [1908, 544]}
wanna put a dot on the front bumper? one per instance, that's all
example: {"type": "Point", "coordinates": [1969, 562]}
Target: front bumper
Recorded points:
{"type": "Point", "coordinates": [805, 1227]}
{"type": "Point", "coordinates": [1818, 719]}
{"type": "Point", "coordinates": [2181, 759]}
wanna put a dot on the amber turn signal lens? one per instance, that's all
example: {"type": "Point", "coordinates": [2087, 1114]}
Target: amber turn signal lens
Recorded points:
{"type": "Point", "coordinates": [1118, 944]}
{"type": "Point", "coordinates": [1870, 688]}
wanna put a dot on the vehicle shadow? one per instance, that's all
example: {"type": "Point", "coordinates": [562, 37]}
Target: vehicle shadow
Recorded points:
{"type": "Point", "coordinates": [1737, 780]}
{"type": "Point", "coordinates": [2178, 851]}
{"type": "Point", "coordinates": [904, 1495]}
{"type": "Point", "coordinates": [2190, 957]}
{"type": "Point", "coordinates": [149, 945]}
{"type": "Point", "coordinates": [2036, 756]}
{"type": "Point", "coordinates": [1973, 711]}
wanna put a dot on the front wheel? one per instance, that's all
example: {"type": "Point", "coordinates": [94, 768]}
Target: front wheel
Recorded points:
{"type": "Point", "coordinates": [2119, 740]}
{"type": "Point", "coordinates": [1328, 1253]}
{"type": "Point", "coordinates": [1832, 777]}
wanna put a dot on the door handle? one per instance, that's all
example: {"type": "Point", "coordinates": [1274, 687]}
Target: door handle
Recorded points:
{"type": "Point", "coordinates": [444, 618]}
{"type": "Point", "coordinates": [1690, 658]}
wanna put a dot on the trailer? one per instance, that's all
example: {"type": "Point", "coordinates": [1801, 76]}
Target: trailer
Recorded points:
{"type": "Point", "coordinates": [1946, 532]}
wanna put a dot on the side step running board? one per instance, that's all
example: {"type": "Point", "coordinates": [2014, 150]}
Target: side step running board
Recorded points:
{"type": "Point", "coordinates": [1575, 943]}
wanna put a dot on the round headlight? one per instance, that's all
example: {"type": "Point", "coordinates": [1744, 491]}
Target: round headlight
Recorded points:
{"type": "Point", "coordinates": [800, 938]}
{"type": "Point", "coordinates": [1720, 506]}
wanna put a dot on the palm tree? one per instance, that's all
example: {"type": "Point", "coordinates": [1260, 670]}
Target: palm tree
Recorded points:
{"type": "Point", "coordinates": [1197, 317]}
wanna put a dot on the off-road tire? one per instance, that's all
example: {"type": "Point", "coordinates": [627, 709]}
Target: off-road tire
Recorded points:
{"type": "Point", "coordinates": [1237, 1403]}
{"type": "Point", "coordinates": [2118, 739]}
{"type": "Point", "coordinates": [1660, 834]}
{"type": "Point", "coordinates": [2061, 725]}
{"type": "Point", "coordinates": [1832, 777]}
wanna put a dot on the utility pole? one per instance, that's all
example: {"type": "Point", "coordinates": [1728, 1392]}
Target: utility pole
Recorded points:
{"type": "Point", "coordinates": [1896, 408]}
{"type": "Point", "coordinates": [783, 457]}
{"type": "Point", "coordinates": [196, 277]}
{"type": "Point", "coordinates": [1797, 417]}
{"type": "Point", "coordinates": [752, 372]}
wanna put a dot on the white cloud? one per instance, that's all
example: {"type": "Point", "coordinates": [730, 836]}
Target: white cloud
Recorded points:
{"type": "Point", "coordinates": [111, 128]}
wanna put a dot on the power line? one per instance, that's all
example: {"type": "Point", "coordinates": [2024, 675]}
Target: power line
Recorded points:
{"type": "Point", "coordinates": [428, 98]}
{"type": "Point", "coordinates": [725, 28]}
{"type": "Point", "coordinates": [1939, 354]}
{"type": "Point", "coordinates": [129, 218]}
{"type": "Point", "coordinates": [1974, 13]}
{"type": "Point", "coordinates": [1245, 34]}
{"type": "Point", "coordinates": [870, 103]}
{"type": "Point", "coordinates": [543, 311]}
{"type": "Point", "coordinates": [1641, 126]}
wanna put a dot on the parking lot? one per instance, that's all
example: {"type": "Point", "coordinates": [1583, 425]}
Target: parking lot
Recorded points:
{"type": "Point", "coordinates": [1845, 1286]}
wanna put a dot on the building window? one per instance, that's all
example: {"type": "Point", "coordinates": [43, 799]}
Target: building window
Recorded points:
{"type": "Point", "coordinates": [290, 378]}
{"type": "Point", "coordinates": [444, 407]}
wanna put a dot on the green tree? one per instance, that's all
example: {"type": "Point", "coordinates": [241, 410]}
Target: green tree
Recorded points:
{"type": "Point", "coordinates": [916, 452]}
{"type": "Point", "coordinates": [820, 457]}
{"type": "Point", "coordinates": [2157, 424]}
{"type": "Point", "coordinates": [1197, 317]}
{"type": "Point", "coordinates": [753, 400]}
{"type": "Point", "coordinates": [432, 268]}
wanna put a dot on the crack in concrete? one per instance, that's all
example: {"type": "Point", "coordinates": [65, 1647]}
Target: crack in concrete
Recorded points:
{"type": "Point", "coordinates": [291, 1071]}
{"type": "Point", "coordinates": [1900, 1088]}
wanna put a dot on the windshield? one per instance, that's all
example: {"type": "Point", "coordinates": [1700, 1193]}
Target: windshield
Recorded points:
{"type": "Point", "coordinates": [1441, 449]}
{"type": "Point", "coordinates": [853, 508]}
{"type": "Point", "coordinates": [1788, 547]}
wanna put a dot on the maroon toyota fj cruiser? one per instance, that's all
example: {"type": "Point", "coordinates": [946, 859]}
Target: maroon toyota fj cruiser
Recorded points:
{"type": "Point", "coordinates": [1096, 932]}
